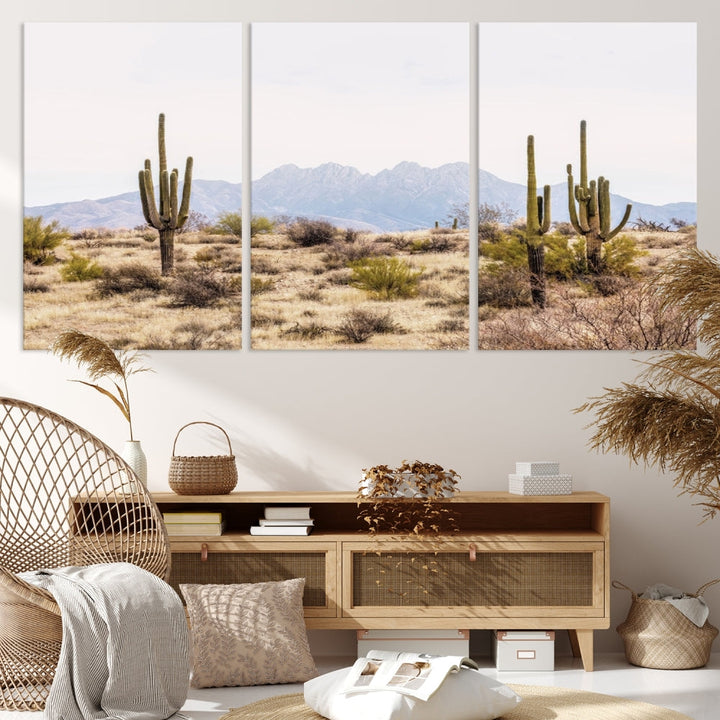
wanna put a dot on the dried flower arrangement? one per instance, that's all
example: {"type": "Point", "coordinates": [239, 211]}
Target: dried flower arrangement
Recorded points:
{"type": "Point", "coordinates": [101, 362]}
{"type": "Point", "coordinates": [670, 416]}
{"type": "Point", "coordinates": [407, 500]}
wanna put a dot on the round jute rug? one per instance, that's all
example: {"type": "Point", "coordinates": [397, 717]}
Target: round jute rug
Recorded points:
{"type": "Point", "coordinates": [539, 703]}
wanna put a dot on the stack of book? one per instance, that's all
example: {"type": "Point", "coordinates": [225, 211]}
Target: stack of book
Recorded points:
{"type": "Point", "coordinates": [284, 520]}
{"type": "Point", "coordinates": [539, 478]}
{"type": "Point", "coordinates": [194, 523]}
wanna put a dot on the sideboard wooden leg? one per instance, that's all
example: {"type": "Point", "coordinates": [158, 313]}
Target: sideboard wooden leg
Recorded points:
{"type": "Point", "coordinates": [581, 642]}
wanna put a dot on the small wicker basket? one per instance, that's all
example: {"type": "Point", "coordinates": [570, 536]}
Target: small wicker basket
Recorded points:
{"type": "Point", "coordinates": [205, 474]}
{"type": "Point", "coordinates": [657, 635]}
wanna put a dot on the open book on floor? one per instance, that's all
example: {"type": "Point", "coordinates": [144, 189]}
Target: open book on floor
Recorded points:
{"type": "Point", "coordinates": [413, 674]}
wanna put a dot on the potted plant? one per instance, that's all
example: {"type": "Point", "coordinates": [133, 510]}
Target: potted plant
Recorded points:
{"type": "Point", "coordinates": [669, 417]}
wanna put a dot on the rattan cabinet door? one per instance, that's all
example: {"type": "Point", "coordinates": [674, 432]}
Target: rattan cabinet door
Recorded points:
{"type": "Point", "coordinates": [230, 562]}
{"type": "Point", "coordinates": [508, 579]}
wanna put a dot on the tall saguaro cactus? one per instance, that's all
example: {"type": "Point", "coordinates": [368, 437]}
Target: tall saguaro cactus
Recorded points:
{"type": "Point", "coordinates": [591, 219]}
{"type": "Point", "coordinates": [537, 224]}
{"type": "Point", "coordinates": [169, 217]}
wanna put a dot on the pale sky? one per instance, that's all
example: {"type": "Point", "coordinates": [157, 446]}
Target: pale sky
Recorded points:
{"type": "Point", "coordinates": [93, 93]}
{"type": "Point", "coordinates": [369, 95]}
{"type": "Point", "coordinates": [363, 94]}
{"type": "Point", "coordinates": [634, 83]}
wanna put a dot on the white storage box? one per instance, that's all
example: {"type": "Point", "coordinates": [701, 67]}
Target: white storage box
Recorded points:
{"type": "Point", "coordinates": [430, 642]}
{"type": "Point", "coordinates": [539, 485]}
{"type": "Point", "coordinates": [537, 468]}
{"type": "Point", "coordinates": [524, 650]}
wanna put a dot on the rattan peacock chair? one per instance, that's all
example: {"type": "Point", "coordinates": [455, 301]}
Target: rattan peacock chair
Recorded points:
{"type": "Point", "coordinates": [65, 499]}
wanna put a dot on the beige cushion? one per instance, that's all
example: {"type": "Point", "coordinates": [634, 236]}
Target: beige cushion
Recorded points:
{"type": "Point", "coordinates": [249, 634]}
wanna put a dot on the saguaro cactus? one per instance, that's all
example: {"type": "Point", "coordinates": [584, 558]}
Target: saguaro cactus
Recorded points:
{"type": "Point", "coordinates": [537, 224]}
{"type": "Point", "coordinates": [169, 217]}
{"type": "Point", "coordinates": [592, 217]}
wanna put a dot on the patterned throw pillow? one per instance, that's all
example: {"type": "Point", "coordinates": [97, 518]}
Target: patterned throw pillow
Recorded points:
{"type": "Point", "coordinates": [248, 634]}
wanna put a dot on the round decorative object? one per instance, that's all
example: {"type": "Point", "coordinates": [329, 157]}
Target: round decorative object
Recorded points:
{"type": "Point", "coordinates": [657, 635]}
{"type": "Point", "coordinates": [134, 456]}
{"type": "Point", "coordinates": [204, 474]}
{"type": "Point", "coordinates": [538, 703]}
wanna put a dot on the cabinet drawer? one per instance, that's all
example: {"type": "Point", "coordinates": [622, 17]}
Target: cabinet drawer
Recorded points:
{"type": "Point", "coordinates": [247, 562]}
{"type": "Point", "coordinates": [528, 579]}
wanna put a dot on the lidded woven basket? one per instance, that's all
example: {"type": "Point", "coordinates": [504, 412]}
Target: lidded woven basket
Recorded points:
{"type": "Point", "coordinates": [202, 474]}
{"type": "Point", "coordinates": [657, 635]}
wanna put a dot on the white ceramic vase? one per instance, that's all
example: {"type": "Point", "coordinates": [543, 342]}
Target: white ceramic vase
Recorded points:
{"type": "Point", "coordinates": [134, 456]}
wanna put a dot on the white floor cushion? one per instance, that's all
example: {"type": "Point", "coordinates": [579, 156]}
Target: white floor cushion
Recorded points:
{"type": "Point", "coordinates": [465, 695]}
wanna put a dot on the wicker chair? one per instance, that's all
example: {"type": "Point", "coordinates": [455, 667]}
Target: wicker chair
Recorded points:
{"type": "Point", "coordinates": [65, 499]}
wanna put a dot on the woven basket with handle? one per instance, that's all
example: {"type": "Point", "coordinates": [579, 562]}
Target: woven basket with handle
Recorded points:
{"type": "Point", "coordinates": [657, 635]}
{"type": "Point", "coordinates": [204, 474]}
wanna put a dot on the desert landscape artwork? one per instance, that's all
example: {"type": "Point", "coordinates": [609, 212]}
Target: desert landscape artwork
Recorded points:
{"type": "Point", "coordinates": [132, 155]}
{"type": "Point", "coordinates": [587, 144]}
{"type": "Point", "coordinates": [360, 191]}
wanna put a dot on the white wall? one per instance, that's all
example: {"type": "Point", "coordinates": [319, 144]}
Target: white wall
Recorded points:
{"type": "Point", "coordinates": [312, 420]}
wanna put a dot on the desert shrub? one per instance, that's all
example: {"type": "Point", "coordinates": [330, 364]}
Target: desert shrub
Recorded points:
{"type": "Point", "coordinates": [307, 233]}
{"type": "Point", "coordinates": [260, 285]}
{"type": "Point", "coordinates": [420, 245]}
{"type": "Point", "coordinates": [79, 268]}
{"type": "Point", "coordinates": [359, 325]}
{"type": "Point", "coordinates": [565, 228]}
{"type": "Point", "coordinates": [35, 285]}
{"type": "Point", "coordinates": [40, 239]}
{"type": "Point", "coordinates": [450, 325]}
{"type": "Point", "coordinates": [196, 287]}
{"type": "Point", "coordinates": [385, 278]}
{"type": "Point", "coordinates": [341, 252]}
{"type": "Point", "coordinates": [507, 248]}
{"type": "Point", "coordinates": [619, 256]}
{"type": "Point", "coordinates": [564, 260]}
{"type": "Point", "coordinates": [307, 331]}
{"type": "Point", "coordinates": [311, 295]}
{"type": "Point", "coordinates": [127, 278]}
{"type": "Point", "coordinates": [504, 286]}
{"type": "Point", "coordinates": [605, 285]}
{"type": "Point", "coordinates": [230, 223]}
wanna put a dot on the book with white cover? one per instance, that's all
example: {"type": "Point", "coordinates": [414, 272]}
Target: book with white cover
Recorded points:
{"type": "Point", "coordinates": [537, 468]}
{"type": "Point", "coordinates": [287, 512]}
{"type": "Point", "coordinates": [281, 523]}
{"type": "Point", "coordinates": [280, 530]}
{"type": "Point", "coordinates": [194, 528]}
{"type": "Point", "coordinates": [192, 517]}
{"type": "Point", "coordinates": [416, 674]}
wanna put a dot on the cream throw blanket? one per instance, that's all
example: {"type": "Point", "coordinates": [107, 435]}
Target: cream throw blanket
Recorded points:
{"type": "Point", "coordinates": [124, 650]}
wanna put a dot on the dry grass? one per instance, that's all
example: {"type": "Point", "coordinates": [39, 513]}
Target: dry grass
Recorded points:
{"type": "Point", "coordinates": [611, 313]}
{"type": "Point", "coordinates": [311, 302]}
{"type": "Point", "coordinates": [142, 319]}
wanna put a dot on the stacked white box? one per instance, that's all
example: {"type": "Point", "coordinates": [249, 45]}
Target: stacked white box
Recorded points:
{"type": "Point", "coordinates": [524, 650]}
{"type": "Point", "coordinates": [539, 478]}
{"type": "Point", "coordinates": [430, 642]}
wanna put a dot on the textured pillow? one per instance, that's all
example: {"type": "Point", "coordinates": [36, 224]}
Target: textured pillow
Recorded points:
{"type": "Point", "coordinates": [464, 695]}
{"type": "Point", "coordinates": [249, 634]}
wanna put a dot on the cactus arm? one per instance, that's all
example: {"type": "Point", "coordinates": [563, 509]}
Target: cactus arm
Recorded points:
{"type": "Point", "coordinates": [147, 197]}
{"type": "Point", "coordinates": [174, 199]}
{"type": "Point", "coordinates": [593, 204]}
{"type": "Point", "coordinates": [572, 192]}
{"type": "Point", "coordinates": [544, 207]}
{"type": "Point", "coordinates": [621, 224]}
{"type": "Point", "coordinates": [187, 185]}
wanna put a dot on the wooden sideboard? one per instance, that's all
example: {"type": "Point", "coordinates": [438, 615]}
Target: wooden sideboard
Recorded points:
{"type": "Point", "coordinates": [515, 562]}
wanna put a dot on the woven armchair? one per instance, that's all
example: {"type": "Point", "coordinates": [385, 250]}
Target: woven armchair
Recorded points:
{"type": "Point", "coordinates": [65, 499]}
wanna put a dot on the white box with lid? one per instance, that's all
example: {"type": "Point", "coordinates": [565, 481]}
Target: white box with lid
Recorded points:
{"type": "Point", "coordinates": [524, 650]}
{"type": "Point", "coordinates": [430, 642]}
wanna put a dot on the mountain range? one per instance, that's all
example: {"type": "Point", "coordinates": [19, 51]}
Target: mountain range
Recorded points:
{"type": "Point", "coordinates": [405, 197]}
